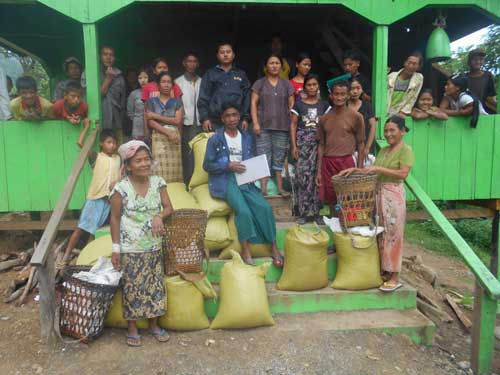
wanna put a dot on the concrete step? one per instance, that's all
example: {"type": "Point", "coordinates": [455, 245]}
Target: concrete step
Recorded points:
{"type": "Point", "coordinates": [329, 299]}
{"type": "Point", "coordinates": [409, 322]}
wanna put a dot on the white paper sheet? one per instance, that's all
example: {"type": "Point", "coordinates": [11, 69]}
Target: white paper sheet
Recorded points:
{"type": "Point", "coordinates": [257, 168]}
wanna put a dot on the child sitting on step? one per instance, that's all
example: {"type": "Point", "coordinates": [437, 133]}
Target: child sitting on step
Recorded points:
{"type": "Point", "coordinates": [106, 173]}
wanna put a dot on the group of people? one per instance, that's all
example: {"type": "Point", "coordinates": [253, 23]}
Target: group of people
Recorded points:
{"type": "Point", "coordinates": [276, 116]}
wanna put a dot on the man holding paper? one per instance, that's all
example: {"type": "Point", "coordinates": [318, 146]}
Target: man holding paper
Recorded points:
{"type": "Point", "coordinates": [254, 217]}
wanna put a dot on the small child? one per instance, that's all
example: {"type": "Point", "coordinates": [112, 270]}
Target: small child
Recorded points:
{"type": "Point", "coordinates": [352, 61]}
{"type": "Point", "coordinates": [73, 69]}
{"type": "Point", "coordinates": [459, 101]}
{"type": "Point", "coordinates": [106, 173]}
{"type": "Point", "coordinates": [135, 106]}
{"type": "Point", "coordinates": [71, 108]}
{"type": "Point", "coordinates": [28, 105]}
{"type": "Point", "coordinates": [425, 107]}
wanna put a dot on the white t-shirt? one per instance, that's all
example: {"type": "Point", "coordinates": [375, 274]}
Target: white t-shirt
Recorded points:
{"type": "Point", "coordinates": [235, 147]}
{"type": "Point", "coordinates": [463, 100]}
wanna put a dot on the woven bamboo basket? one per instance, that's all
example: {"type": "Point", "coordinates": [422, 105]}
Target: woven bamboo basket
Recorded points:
{"type": "Point", "coordinates": [356, 195]}
{"type": "Point", "coordinates": [183, 243]}
{"type": "Point", "coordinates": [82, 305]}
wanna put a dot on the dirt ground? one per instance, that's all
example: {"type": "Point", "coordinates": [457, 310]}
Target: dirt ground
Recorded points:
{"type": "Point", "coordinates": [270, 350]}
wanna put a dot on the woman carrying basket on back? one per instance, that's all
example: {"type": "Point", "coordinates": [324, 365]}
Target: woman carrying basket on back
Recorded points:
{"type": "Point", "coordinates": [393, 164]}
{"type": "Point", "coordinates": [139, 203]}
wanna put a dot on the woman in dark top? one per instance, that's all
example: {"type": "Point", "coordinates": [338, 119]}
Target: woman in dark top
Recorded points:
{"type": "Point", "coordinates": [164, 115]}
{"type": "Point", "coordinates": [365, 108]}
{"type": "Point", "coordinates": [304, 120]}
{"type": "Point", "coordinates": [271, 101]}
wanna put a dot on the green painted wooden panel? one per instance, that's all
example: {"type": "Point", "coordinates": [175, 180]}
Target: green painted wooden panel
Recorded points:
{"type": "Point", "coordinates": [4, 202]}
{"type": "Point", "coordinates": [37, 158]}
{"type": "Point", "coordinates": [382, 12]}
{"type": "Point", "coordinates": [17, 166]}
{"type": "Point", "coordinates": [435, 157]}
{"type": "Point", "coordinates": [467, 159]}
{"type": "Point", "coordinates": [484, 158]}
{"type": "Point", "coordinates": [420, 148]}
{"type": "Point", "coordinates": [451, 166]}
{"type": "Point", "coordinates": [38, 142]}
{"type": "Point", "coordinates": [495, 180]}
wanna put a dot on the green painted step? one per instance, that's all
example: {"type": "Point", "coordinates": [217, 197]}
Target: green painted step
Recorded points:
{"type": "Point", "coordinates": [329, 299]}
{"type": "Point", "coordinates": [393, 322]}
{"type": "Point", "coordinates": [273, 274]}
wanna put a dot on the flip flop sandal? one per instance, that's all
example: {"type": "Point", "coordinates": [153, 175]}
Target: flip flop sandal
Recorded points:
{"type": "Point", "coordinates": [390, 286]}
{"type": "Point", "coordinates": [134, 341]}
{"type": "Point", "coordinates": [161, 335]}
{"type": "Point", "coordinates": [278, 261]}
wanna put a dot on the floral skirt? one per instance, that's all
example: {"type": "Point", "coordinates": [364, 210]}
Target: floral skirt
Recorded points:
{"type": "Point", "coordinates": [143, 287]}
{"type": "Point", "coordinates": [307, 190]}
{"type": "Point", "coordinates": [392, 210]}
{"type": "Point", "coordinates": [169, 157]}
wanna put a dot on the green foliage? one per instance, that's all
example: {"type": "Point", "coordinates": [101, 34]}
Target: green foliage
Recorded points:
{"type": "Point", "coordinates": [477, 233]}
{"type": "Point", "coordinates": [491, 45]}
{"type": "Point", "coordinates": [34, 68]}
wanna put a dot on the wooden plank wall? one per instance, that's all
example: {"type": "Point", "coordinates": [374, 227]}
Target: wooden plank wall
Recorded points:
{"type": "Point", "coordinates": [35, 160]}
{"type": "Point", "coordinates": [454, 161]}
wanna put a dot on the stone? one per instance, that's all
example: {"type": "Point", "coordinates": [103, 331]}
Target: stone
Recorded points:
{"type": "Point", "coordinates": [464, 365]}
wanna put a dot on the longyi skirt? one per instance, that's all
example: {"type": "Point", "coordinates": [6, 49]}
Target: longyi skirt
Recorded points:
{"type": "Point", "coordinates": [169, 157]}
{"type": "Point", "coordinates": [143, 287]}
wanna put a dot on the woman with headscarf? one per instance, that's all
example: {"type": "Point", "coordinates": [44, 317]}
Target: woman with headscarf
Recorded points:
{"type": "Point", "coordinates": [139, 203]}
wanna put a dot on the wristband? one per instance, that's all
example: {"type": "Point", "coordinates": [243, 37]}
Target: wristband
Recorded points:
{"type": "Point", "coordinates": [115, 248]}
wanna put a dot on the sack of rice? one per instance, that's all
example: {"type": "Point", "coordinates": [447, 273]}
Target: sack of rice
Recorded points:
{"type": "Point", "coordinates": [199, 146]}
{"type": "Point", "coordinates": [243, 296]}
{"type": "Point", "coordinates": [213, 206]}
{"type": "Point", "coordinates": [217, 234]}
{"type": "Point", "coordinates": [180, 197]}
{"type": "Point", "coordinates": [358, 264]}
{"type": "Point", "coordinates": [306, 258]}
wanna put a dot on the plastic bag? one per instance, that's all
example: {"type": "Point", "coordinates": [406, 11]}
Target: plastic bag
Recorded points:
{"type": "Point", "coordinates": [306, 259]}
{"type": "Point", "coordinates": [102, 272]}
{"type": "Point", "coordinates": [214, 207]}
{"type": "Point", "coordinates": [358, 262]}
{"type": "Point", "coordinates": [199, 146]}
{"type": "Point", "coordinates": [257, 250]}
{"type": "Point", "coordinates": [243, 296]}
{"type": "Point", "coordinates": [217, 234]}
{"type": "Point", "coordinates": [185, 307]}
{"type": "Point", "coordinates": [179, 197]}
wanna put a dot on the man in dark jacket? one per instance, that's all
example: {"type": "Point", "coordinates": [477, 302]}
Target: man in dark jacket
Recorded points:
{"type": "Point", "coordinates": [221, 85]}
{"type": "Point", "coordinates": [254, 218]}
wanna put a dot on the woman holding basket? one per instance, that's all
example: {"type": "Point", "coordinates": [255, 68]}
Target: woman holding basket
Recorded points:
{"type": "Point", "coordinates": [393, 164]}
{"type": "Point", "coordinates": [139, 203]}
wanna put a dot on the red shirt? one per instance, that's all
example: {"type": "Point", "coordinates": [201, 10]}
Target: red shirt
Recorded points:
{"type": "Point", "coordinates": [297, 86]}
{"type": "Point", "coordinates": [150, 90]}
{"type": "Point", "coordinates": [61, 112]}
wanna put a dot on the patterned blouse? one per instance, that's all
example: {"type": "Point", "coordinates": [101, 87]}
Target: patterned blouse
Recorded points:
{"type": "Point", "coordinates": [136, 234]}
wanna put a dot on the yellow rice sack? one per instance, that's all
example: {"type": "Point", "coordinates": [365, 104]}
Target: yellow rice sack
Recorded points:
{"type": "Point", "coordinates": [114, 317]}
{"type": "Point", "coordinates": [179, 197]}
{"type": "Point", "coordinates": [358, 264]}
{"type": "Point", "coordinates": [257, 250]}
{"type": "Point", "coordinates": [199, 146]}
{"type": "Point", "coordinates": [217, 234]}
{"type": "Point", "coordinates": [243, 296]}
{"type": "Point", "coordinates": [94, 250]}
{"type": "Point", "coordinates": [306, 259]}
{"type": "Point", "coordinates": [185, 308]}
{"type": "Point", "coordinates": [213, 206]}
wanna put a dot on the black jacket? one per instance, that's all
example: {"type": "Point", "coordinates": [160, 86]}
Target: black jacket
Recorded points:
{"type": "Point", "coordinates": [219, 87]}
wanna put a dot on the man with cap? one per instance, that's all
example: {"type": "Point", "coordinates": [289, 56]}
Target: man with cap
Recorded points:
{"type": "Point", "coordinates": [73, 69]}
{"type": "Point", "coordinates": [481, 82]}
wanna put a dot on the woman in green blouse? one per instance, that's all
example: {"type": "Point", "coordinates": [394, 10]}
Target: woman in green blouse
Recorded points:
{"type": "Point", "coordinates": [393, 164]}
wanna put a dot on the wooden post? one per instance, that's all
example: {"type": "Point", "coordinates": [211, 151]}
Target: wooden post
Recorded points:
{"type": "Point", "coordinates": [92, 70]}
{"type": "Point", "coordinates": [46, 275]}
{"type": "Point", "coordinates": [379, 74]}
{"type": "Point", "coordinates": [495, 230]}
{"type": "Point", "coordinates": [483, 332]}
